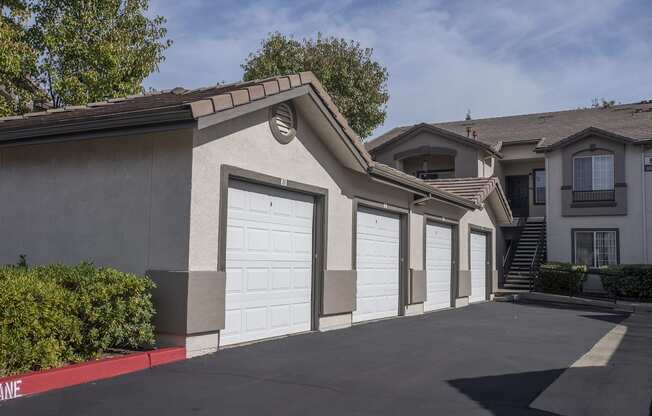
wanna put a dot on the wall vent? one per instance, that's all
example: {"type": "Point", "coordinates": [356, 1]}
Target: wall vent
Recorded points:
{"type": "Point", "coordinates": [283, 121]}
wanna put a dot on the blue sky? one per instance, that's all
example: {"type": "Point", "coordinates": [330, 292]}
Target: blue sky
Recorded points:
{"type": "Point", "coordinates": [443, 57]}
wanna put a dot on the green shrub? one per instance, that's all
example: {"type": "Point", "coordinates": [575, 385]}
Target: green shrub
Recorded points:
{"type": "Point", "coordinates": [51, 315]}
{"type": "Point", "coordinates": [631, 280]}
{"type": "Point", "coordinates": [560, 278]}
{"type": "Point", "coordinates": [38, 325]}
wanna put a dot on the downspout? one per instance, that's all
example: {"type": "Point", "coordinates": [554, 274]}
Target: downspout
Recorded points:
{"type": "Point", "coordinates": [422, 200]}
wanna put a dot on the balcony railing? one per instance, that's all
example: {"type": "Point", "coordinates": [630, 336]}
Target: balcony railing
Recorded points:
{"type": "Point", "coordinates": [435, 174]}
{"type": "Point", "coordinates": [594, 196]}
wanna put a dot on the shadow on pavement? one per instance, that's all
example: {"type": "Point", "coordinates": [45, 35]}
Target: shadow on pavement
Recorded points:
{"type": "Point", "coordinates": [615, 380]}
{"type": "Point", "coordinates": [509, 394]}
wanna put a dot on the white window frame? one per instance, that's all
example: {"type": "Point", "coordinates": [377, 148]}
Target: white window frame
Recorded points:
{"type": "Point", "coordinates": [534, 187]}
{"type": "Point", "coordinates": [595, 264]}
{"type": "Point", "coordinates": [593, 171]}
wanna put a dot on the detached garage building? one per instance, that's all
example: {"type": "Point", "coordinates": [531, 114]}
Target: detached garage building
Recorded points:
{"type": "Point", "coordinates": [254, 207]}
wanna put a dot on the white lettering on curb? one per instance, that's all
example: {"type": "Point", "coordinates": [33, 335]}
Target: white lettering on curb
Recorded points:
{"type": "Point", "coordinates": [10, 390]}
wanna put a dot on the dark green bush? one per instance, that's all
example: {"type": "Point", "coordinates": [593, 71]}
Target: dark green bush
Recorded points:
{"type": "Point", "coordinates": [630, 280]}
{"type": "Point", "coordinates": [560, 278]}
{"type": "Point", "coordinates": [52, 315]}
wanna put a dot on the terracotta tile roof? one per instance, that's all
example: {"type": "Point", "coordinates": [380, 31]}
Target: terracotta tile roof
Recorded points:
{"type": "Point", "coordinates": [473, 189]}
{"type": "Point", "coordinates": [206, 101]}
{"type": "Point", "coordinates": [391, 172]}
{"type": "Point", "coordinates": [199, 102]}
{"type": "Point", "coordinates": [629, 120]}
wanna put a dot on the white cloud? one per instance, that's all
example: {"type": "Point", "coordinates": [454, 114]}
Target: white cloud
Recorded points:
{"type": "Point", "coordinates": [495, 58]}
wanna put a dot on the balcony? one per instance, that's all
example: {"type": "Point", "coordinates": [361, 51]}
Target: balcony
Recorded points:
{"type": "Point", "coordinates": [594, 196]}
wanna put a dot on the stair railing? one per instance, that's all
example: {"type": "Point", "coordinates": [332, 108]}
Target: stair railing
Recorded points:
{"type": "Point", "coordinates": [509, 254]}
{"type": "Point", "coordinates": [534, 265]}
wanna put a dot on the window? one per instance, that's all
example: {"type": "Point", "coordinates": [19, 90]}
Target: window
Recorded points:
{"type": "Point", "coordinates": [539, 186]}
{"type": "Point", "coordinates": [596, 248]}
{"type": "Point", "coordinates": [593, 178]}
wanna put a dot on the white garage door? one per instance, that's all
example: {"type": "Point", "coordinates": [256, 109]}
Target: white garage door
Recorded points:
{"type": "Point", "coordinates": [478, 267]}
{"type": "Point", "coordinates": [377, 260]}
{"type": "Point", "coordinates": [268, 263]}
{"type": "Point", "coordinates": [439, 258]}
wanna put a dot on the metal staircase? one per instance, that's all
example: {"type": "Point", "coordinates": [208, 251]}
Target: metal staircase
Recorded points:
{"type": "Point", "coordinates": [529, 253]}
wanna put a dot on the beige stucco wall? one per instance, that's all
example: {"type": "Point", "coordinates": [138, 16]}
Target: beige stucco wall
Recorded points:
{"type": "Point", "coordinates": [120, 202]}
{"type": "Point", "coordinates": [634, 237]}
{"type": "Point", "coordinates": [466, 159]}
{"type": "Point", "coordinates": [247, 142]}
{"type": "Point", "coordinates": [481, 218]}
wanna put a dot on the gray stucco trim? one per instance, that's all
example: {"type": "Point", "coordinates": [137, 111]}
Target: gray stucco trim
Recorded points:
{"type": "Point", "coordinates": [188, 302]}
{"type": "Point", "coordinates": [588, 145]}
{"type": "Point", "coordinates": [455, 247]}
{"type": "Point", "coordinates": [404, 243]}
{"type": "Point", "coordinates": [416, 129]}
{"type": "Point", "coordinates": [573, 230]}
{"type": "Point", "coordinates": [340, 132]}
{"type": "Point", "coordinates": [588, 132]}
{"type": "Point", "coordinates": [340, 292]}
{"type": "Point", "coordinates": [488, 233]}
{"type": "Point", "coordinates": [320, 224]}
{"type": "Point", "coordinates": [425, 150]}
{"type": "Point", "coordinates": [418, 289]}
{"type": "Point", "coordinates": [463, 286]}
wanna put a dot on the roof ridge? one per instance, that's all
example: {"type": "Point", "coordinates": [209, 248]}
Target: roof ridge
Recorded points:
{"type": "Point", "coordinates": [617, 107]}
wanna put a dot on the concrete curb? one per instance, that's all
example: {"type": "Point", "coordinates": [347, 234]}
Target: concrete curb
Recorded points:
{"type": "Point", "coordinates": [22, 385]}
{"type": "Point", "coordinates": [623, 306]}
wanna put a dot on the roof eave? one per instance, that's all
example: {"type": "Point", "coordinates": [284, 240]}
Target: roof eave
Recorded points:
{"type": "Point", "coordinates": [421, 188]}
{"type": "Point", "coordinates": [142, 118]}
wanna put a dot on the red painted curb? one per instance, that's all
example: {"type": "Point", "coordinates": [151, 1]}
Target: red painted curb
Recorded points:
{"type": "Point", "coordinates": [26, 384]}
{"type": "Point", "coordinates": [166, 355]}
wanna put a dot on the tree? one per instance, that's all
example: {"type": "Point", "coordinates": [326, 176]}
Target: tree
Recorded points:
{"type": "Point", "coordinates": [91, 50]}
{"type": "Point", "coordinates": [357, 83]}
{"type": "Point", "coordinates": [17, 59]}
{"type": "Point", "coordinates": [602, 103]}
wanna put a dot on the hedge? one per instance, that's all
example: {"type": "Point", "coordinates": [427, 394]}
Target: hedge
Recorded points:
{"type": "Point", "coordinates": [560, 278]}
{"type": "Point", "coordinates": [631, 280]}
{"type": "Point", "coordinates": [53, 315]}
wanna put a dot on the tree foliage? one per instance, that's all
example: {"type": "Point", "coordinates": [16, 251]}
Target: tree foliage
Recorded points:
{"type": "Point", "coordinates": [78, 51]}
{"type": "Point", "coordinates": [94, 49]}
{"type": "Point", "coordinates": [357, 83]}
{"type": "Point", "coordinates": [17, 59]}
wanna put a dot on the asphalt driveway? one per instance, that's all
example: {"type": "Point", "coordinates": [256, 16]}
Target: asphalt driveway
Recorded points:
{"type": "Point", "coordinates": [491, 358]}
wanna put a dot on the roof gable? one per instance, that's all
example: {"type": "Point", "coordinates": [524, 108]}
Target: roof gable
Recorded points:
{"type": "Point", "coordinates": [401, 134]}
{"type": "Point", "coordinates": [589, 132]}
{"type": "Point", "coordinates": [477, 190]}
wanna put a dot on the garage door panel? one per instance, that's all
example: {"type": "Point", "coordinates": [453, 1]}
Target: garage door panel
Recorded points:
{"type": "Point", "coordinates": [439, 255]}
{"type": "Point", "coordinates": [268, 263]}
{"type": "Point", "coordinates": [478, 262]}
{"type": "Point", "coordinates": [377, 263]}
